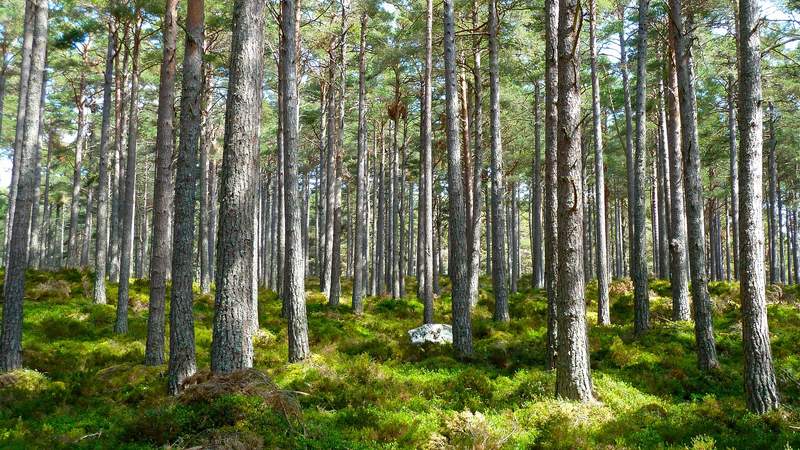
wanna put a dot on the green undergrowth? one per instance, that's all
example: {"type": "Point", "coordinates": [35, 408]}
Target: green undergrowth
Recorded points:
{"type": "Point", "coordinates": [367, 387]}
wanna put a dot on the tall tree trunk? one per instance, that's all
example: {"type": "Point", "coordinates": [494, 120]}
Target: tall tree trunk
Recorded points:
{"type": "Point", "coordinates": [732, 131]}
{"type": "Point", "coordinates": [182, 363]}
{"type": "Point", "coordinates": [101, 243]}
{"type": "Point", "coordinates": [426, 221]}
{"type": "Point", "coordinates": [679, 267]}
{"type": "Point", "coordinates": [663, 187]}
{"type": "Point", "coordinates": [359, 283]}
{"type": "Point", "coordinates": [162, 200]}
{"type": "Point", "coordinates": [14, 288]}
{"type": "Point", "coordinates": [551, 176]}
{"type": "Point", "coordinates": [499, 287]}
{"type": "Point", "coordinates": [19, 135]}
{"type": "Point", "coordinates": [704, 332]}
{"type": "Point", "coordinates": [232, 344]}
{"type": "Point", "coordinates": [206, 141]}
{"type": "Point", "coordinates": [641, 297]}
{"type": "Point", "coordinates": [773, 197]}
{"type": "Point", "coordinates": [603, 312]}
{"type": "Point", "coordinates": [759, 375]}
{"type": "Point", "coordinates": [295, 276]}
{"type": "Point", "coordinates": [127, 205]}
{"type": "Point", "coordinates": [537, 271]}
{"type": "Point", "coordinates": [81, 104]}
{"type": "Point", "coordinates": [458, 264]}
{"type": "Point", "coordinates": [573, 379]}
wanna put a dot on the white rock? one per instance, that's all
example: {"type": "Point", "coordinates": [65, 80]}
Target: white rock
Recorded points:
{"type": "Point", "coordinates": [435, 333]}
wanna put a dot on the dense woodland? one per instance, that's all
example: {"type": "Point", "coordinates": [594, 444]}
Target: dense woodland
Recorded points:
{"type": "Point", "coordinates": [223, 218]}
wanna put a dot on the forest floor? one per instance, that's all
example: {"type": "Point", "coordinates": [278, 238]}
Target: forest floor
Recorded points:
{"type": "Point", "coordinates": [367, 387]}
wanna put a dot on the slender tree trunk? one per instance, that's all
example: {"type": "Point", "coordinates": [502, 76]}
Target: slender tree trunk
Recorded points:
{"type": "Point", "coordinates": [232, 344]}
{"type": "Point", "coordinates": [426, 221]}
{"type": "Point", "coordinates": [637, 205]}
{"type": "Point", "coordinates": [704, 332]}
{"type": "Point", "coordinates": [127, 205]}
{"type": "Point", "coordinates": [101, 243]}
{"type": "Point", "coordinates": [499, 287]}
{"type": "Point", "coordinates": [759, 375]}
{"type": "Point", "coordinates": [80, 142]}
{"type": "Point", "coordinates": [458, 264]}
{"type": "Point", "coordinates": [678, 243]}
{"type": "Point", "coordinates": [551, 177]}
{"type": "Point", "coordinates": [573, 379]}
{"type": "Point", "coordinates": [603, 313]}
{"type": "Point", "coordinates": [19, 135]}
{"type": "Point", "coordinates": [181, 321]}
{"type": "Point", "coordinates": [537, 271]}
{"type": "Point", "coordinates": [359, 284]}
{"type": "Point", "coordinates": [162, 200]}
{"type": "Point", "coordinates": [87, 227]}
{"type": "Point", "coordinates": [773, 197]}
{"type": "Point", "coordinates": [295, 276]}
{"type": "Point", "coordinates": [663, 188]}
{"type": "Point", "coordinates": [14, 288]}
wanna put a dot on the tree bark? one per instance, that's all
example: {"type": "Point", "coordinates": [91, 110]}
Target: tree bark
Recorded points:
{"type": "Point", "coordinates": [101, 243]}
{"type": "Point", "coordinates": [232, 344]}
{"type": "Point", "coordinates": [499, 286]}
{"type": "Point", "coordinates": [677, 246]}
{"type": "Point", "coordinates": [127, 205]}
{"type": "Point", "coordinates": [154, 350]}
{"type": "Point", "coordinates": [427, 171]}
{"type": "Point", "coordinates": [360, 257]}
{"type": "Point", "coordinates": [704, 332]}
{"type": "Point", "coordinates": [458, 264]}
{"type": "Point", "coordinates": [14, 288]}
{"type": "Point", "coordinates": [182, 363]}
{"type": "Point", "coordinates": [551, 177]}
{"type": "Point", "coordinates": [603, 312]}
{"type": "Point", "coordinates": [295, 276]}
{"type": "Point", "coordinates": [637, 205]}
{"type": "Point", "coordinates": [573, 379]}
{"type": "Point", "coordinates": [759, 375]}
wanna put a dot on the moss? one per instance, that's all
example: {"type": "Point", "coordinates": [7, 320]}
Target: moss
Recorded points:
{"type": "Point", "coordinates": [366, 387]}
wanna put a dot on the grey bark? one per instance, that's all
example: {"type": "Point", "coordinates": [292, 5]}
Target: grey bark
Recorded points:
{"type": "Point", "coordinates": [703, 326]}
{"type": "Point", "coordinates": [458, 264]}
{"type": "Point", "coordinates": [295, 276]}
{"type": "Point", "coordinates": [551, 177]}
{"type": "Point", "coordinates": [677, 245]}
{"type": "Point", "coordinates": [426, 221]}
{"type": "Point", "coordinates": [162, 200]}
{"type": "Point", "coordinates": [360, 257]}
{"type": "Point", "coordinates": [573, 379]}
{"type": "Point", "coordinates": [101, 243]}
{"type": "Point", "coordinates": [603, 312]}
{"type": "Point", "coordinates": [232, 344]}
{"type": "Point", "coordinates": [759, 376]}
{"type": "Point", "coordinates": [499, 287]}
{"type": "Point", "coordinates": [14, 288]}
{"type": "Point", "coordinates": [537, 269]}
{"type": "Point", "coordinates": [127, 205]}
{"type": "Point", "coordinates": [182, 363]}
{"type": "Point", "coordinates": [637, 205]}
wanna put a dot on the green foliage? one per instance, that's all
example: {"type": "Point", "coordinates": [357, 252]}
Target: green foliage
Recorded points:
{"type": "Point", "coordinates": [367, 387]}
